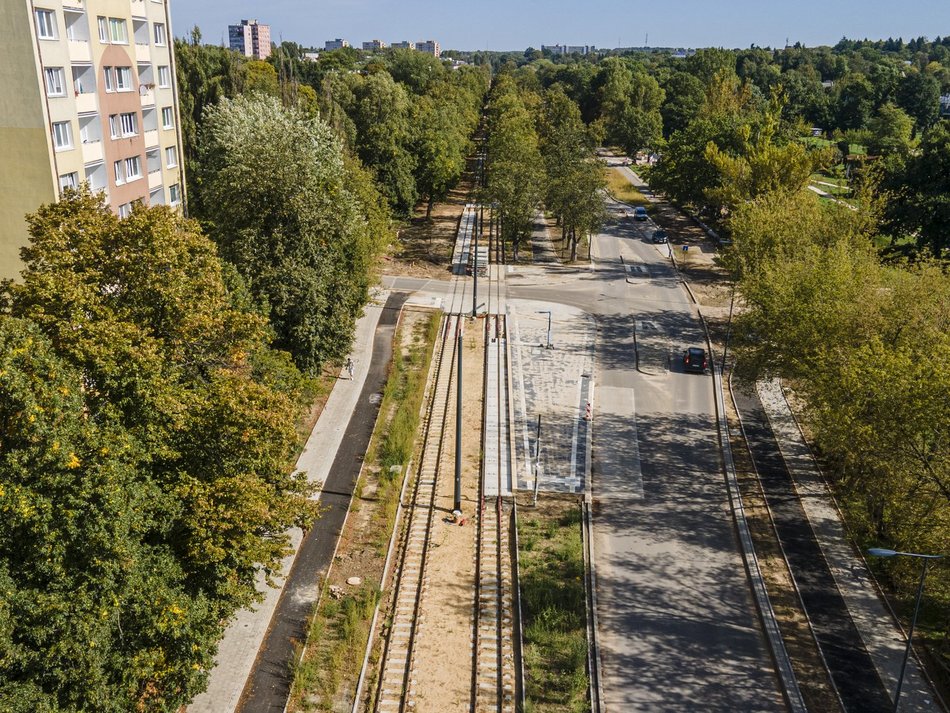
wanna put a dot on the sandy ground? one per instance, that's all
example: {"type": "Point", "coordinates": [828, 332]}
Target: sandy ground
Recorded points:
{"type": "Point", "coordinates": [443, 660]}
{"type": "Point", "coordinates": [424, 247]}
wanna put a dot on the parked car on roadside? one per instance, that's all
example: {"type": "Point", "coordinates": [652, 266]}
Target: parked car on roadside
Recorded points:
{"type": "Point", "coordinates": [659, 237]}
{"type": "Point", "coordinates": [640, 213]}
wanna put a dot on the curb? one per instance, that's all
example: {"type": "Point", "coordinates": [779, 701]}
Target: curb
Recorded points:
{"type": "Point", "coordinates": [821, 654]}
{"type": "Point", "coordinates": [780, 657]}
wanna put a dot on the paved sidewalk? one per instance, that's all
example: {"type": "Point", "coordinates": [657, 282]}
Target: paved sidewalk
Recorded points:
{"type": "Point", "coordinates": [238, 649]}
{"type": "Point", "coordinates": [873, 620]}
{"type": "Point", "coordinates": [542, 248]}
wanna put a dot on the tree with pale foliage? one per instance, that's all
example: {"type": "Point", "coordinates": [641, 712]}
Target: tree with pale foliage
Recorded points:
{"type": "Point", "coordinates": [281, 208]}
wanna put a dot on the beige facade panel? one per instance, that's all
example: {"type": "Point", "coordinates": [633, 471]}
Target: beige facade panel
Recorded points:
{"type": "Point", "coordinates": [89, 88]}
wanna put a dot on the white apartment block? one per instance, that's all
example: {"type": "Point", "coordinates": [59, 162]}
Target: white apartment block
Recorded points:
{"type": "Point", "coordinates": [94, 100]}
{"type": "Point", "coordinates": [336, 44]}
{"type": "Point", "coordinates": [373, 45]}
{"type": "Point", "coordinates": [429, 47]}
{"type": "Point", "coordinates": [250, 38]}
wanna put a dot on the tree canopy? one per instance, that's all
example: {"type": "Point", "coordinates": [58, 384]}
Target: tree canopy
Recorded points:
{"type": "Point", "coordinates": [145, 470]}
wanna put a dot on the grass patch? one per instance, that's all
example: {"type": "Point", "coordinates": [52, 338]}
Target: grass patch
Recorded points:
{"type": "Point", "coordinates": [621, 189]}
{"type": "Point", "coordinates": [339, 627]}
{"type": "Point", "coordinates": [402, 397]}
{"type": "Point", "coordinates": [553, 607]}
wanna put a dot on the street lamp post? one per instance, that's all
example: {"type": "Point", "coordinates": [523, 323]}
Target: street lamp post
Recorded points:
{"type": "Point", "coordinates": [882, 552]}
{"type": "Point", "coordinates": [548, 313]}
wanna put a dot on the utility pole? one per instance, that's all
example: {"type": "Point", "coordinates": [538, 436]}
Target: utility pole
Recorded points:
{"type": "Point", "coordinates": [725, 349]}
{"type": "Point", "coordinates": [457, 502]}
{"type": "Point", "coordinates": [475, 269]}
{"type": "Point", "coordinates": [537, 461]}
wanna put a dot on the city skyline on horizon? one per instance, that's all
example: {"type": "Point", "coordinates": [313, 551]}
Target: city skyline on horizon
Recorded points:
{"type": "Point", "coordinates": [507, 26]}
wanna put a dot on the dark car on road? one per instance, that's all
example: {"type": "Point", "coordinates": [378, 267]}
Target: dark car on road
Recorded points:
{"type": "Point", "coordinates": [694, 359]}
{"type": "Point", "coordinates": [640, 213]}
{"type": "Point", "coordinates": [659, 237]}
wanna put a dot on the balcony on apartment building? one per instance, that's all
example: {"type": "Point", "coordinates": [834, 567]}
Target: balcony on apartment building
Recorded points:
{"type": "Point", "coordinates": [84, 86]}
{"type": "Point", "coordinates": [77, 33]}
{"type": "Point", "coordinates": [140, 34]}
{"type": "Point", "coordinates": [96, 176]}
{"type": "Point", "coordinates": [90, 134]}
{"type": "Point", "coordinates": [146, 84]}
{"type": "Point", "coordinates": [150, 128]}
{"type": "Point", "coordinates": [153, 163]}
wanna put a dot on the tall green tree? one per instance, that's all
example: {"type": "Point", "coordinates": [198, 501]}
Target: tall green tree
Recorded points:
{"type": "Point", "coordinates": [380, 110]}
{"type": "Point", "coordinates": [440, 145]}
{"type": "Point", "coordinates": [284, 217]}
{"type": "Point", "coordinates": [919, 204]}
{"type": "Point", "coordinates": [575, 178]}
{"type": "Point", "coordinates": [919, 95]}
{"type": "Point", "coordinates": [150, 480]}
{"type": "Point", "coordinates": [515, 172]}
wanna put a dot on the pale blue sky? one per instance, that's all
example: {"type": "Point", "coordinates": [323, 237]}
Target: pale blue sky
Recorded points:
{"type": "Point", "coordinates": [517, 24]}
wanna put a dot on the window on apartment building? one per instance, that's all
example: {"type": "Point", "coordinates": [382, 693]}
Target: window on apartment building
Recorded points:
{"type": "Point", "coordinates": [133, 168]}
{"type": "Point", "coordinates": [159, 33]}
{"type": "Point", "coordinates": [118, 168]}
{"type": "Point", "coordinates": [171, 156]}
{"type": "Point", "coordinates": [62, 135]}
{"type": "Point", "coordinates": [125, 210]}
{"type": "Point", "coordinates": [123, 125]}
{"type": "Point", "coordinates": [108, 74]}
{"type": "Point", "coordinates": [123, 79]}
{"type": "Point", "coordinates": [69, 180]}
{"type": "Point", "coordinates": [46, 24]}
{"type": "Point", "coordinates": [103, 30]}
{"type": "Point", "coordinates": [130, 124]}
{"type": "Point", "coordinates": [164, 76]}
{"type": "Point", "coordinates": [118, 32]}
{"type": "Point", "coordinates": [168, 118]}
{"type": "Point", "coordinates": [174, 194]}
{"type": "Point", "coordinates": [55, 81]}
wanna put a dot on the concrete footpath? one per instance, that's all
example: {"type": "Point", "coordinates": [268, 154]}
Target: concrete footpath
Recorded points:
{"type": "Point", "coordinates": [872, 618]}
{"type": "Point", "coordinates": [242, 640]}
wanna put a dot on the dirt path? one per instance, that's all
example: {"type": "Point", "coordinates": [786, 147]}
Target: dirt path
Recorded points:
{"type": "Point", "coordinates": [424, 247]}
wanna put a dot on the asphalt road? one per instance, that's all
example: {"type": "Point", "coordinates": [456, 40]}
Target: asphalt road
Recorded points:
{"type": "Point", "coordinates": [851, 667]}
{"type": "Point", "coordinates": [678, 628]}
{"type": "Point", "coordinates": [268, 687]}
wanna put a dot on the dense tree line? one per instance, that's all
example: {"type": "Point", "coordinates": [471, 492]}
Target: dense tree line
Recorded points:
{"type": "Point", "coordinates": [876, 103]}
{"type": "Point", "coordinates": [540, 153]}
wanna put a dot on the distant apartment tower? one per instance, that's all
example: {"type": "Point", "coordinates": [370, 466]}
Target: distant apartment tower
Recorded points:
{"type": "Point", "coordinates": [429, 47]}
{"type": "Point", "coordinates": [250, 38]}
{"type": "Point", "coordinates": [403, 45]}
{"type": "Point", "coordinates": [336, 44]}
{"type": "Point", "coordinates": [90, 97]}
{"type": "Point", "coordinates": [374, 45]}
{"type": "Point", "coordinates": [566, 49]}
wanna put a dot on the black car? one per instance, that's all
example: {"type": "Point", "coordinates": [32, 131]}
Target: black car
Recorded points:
{"type": "Point", "coordinates": [659, 237]}
{"type": "Point", "coordinates": [694, 359]}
